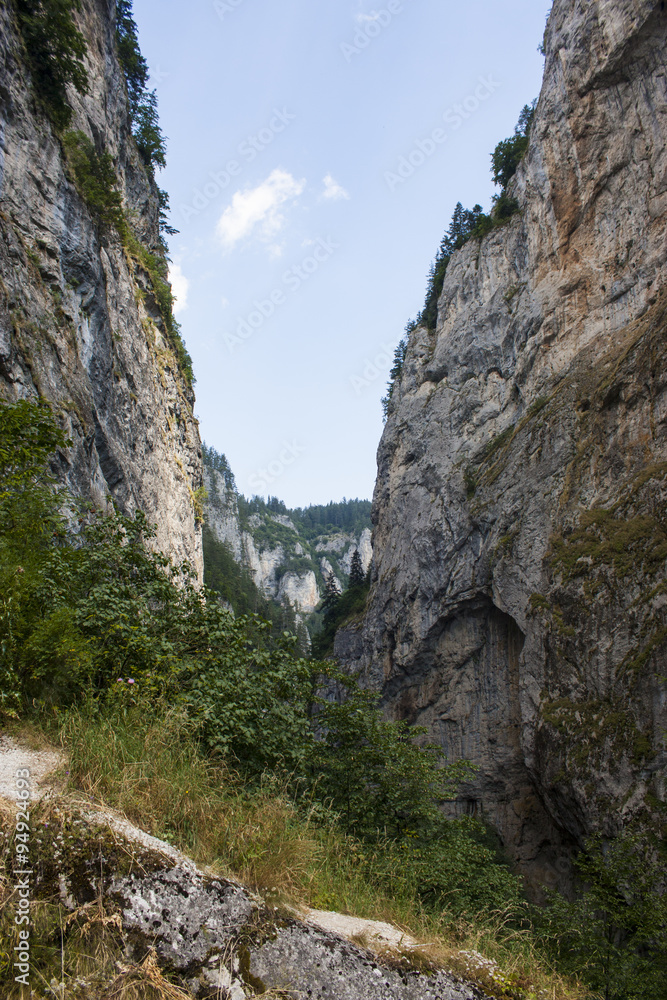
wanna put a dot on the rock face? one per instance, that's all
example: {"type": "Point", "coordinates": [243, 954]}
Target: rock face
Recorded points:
{"type": "Point", "coordinates": [79, 324]}
{"type": "Point", "coordinates": [518, 604]}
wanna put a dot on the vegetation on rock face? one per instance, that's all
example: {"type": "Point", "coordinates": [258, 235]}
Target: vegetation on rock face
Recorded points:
{"type": "Point", "coordinates": [142, 102]}
{"type": "Point", "coordinates": [95, 178]}
{"type": "Point", "coordinates": [55, 51]}
{"type": "Point", "coordinates": [467, 224]}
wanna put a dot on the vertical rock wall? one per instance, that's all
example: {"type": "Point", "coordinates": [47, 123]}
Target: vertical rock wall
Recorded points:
{"type": "Point", "coordinates": [79, 325]}
{"type": "Point", "coordinates": [518, 605]}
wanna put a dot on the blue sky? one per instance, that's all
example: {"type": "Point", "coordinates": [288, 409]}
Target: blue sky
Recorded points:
{"type": "Point", "coordinates": [316, 151]}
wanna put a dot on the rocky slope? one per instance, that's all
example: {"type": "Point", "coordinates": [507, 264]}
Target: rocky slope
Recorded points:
{"type": "Point", "coordinates": [159, 925]}
{"type": "Point", "coordinates": [286, 564]}
{"type": "Point", "coordinates": [79, 323]}
{"type": "Point", "coordinates": [518, 605]}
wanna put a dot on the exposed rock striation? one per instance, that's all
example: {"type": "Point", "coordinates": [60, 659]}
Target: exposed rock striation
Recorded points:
{"type": "Point", "coordinates": [519, 596]}
{"type": "Point", "coordinates": [79, 323]}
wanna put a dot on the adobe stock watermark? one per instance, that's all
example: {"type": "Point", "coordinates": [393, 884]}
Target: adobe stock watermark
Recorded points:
{"type": "Point", "coordinates": [373, 369]}
{"type": "Point", "coordinates": [22, 870]}
{"type": "Point", "coordinates": [223, 7]}
{"type": "Point", "coordinates": [454, 116]}
{"type": "Point", "coordinates": [246, 151]}
{"type": "Point", "coordinates": [260, 480]}
{"type": "Point", "coordinates": [372, 25]}
{"type": "Point", "coordinates": [291, 282]}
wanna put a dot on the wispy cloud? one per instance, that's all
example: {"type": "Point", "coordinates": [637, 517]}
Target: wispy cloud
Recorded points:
{"type": "Point", "coordinates": [333, 190]}
{"type": "Point", "coordinates": [179, 287]}
{"type": "Point", "coordinates": [365, 18]}
{"type": "Point", "coordinates": [258, 206]}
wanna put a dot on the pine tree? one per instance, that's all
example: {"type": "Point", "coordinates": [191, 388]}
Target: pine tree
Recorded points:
{"type": "Point", "coordinates": [134, 65]}
{"type": "Point", "coordinates": [356, 571]}
{"type": "Point", "coordinates": [331, 595]}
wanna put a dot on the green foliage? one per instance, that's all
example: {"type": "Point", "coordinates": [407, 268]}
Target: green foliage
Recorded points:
{"type": "Point", "coordinates": [376, 777]}
{"type": "Point", "coordinates": [214, 460]}
{"type": "Point", "coordinates": [95, 178]}
{"type": "Point", "coordinates": [397, 368]}
{"type": "Point", "coordinates": [231, 581]}
{"type": "Point", "coordinates": [347, 515]}
{"type": "Point", "coordinates": [55, 51]}
{"type": "Point", "coordinates": [252, 701]}
{"type": "Point", "coordinates": [164, 225]}
{"type": "Point", "coordinates": [147, 133]}
{"type": "Point", "coordinates": [142, 102]}
{"type": "Point", "coordinates": [29, 522]}
{"type": "Point", "coordinates": [132, 62]}
{"type": "Point", "coordinates": [614, 935]}
{"type": "Point", "coordinates": [457, 868]}
{"type": "Point", "coordinates": [509, 152]}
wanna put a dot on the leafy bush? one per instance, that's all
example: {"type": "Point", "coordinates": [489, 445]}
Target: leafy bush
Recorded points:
{"type": "Point", "coordinates": [55, 50]}
{"type": "Point", "coordinates": [377, 779]}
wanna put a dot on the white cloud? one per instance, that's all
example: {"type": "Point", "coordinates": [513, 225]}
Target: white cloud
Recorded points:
{"type": "Point", "coordinates": [365, 18]}
{"type": "Point", "coordinates": [179, 287]}
{"type": "Point", "coordinates": [259, 205]}
{"type": "Point", "coordinates": [333, 190]}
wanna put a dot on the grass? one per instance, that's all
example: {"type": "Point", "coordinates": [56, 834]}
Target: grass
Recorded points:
{"type": "Point", "coordinates": [291, 852]}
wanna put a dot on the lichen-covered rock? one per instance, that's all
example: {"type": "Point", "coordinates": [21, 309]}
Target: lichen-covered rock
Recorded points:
{"type": "Point", "coordinates": [79, 324]}
{"type": "Point", "coordinates": [303, 960]}
{"type": "Point", "coordinates": [188, 917]}
{"type": "Point", "coordinates": [518, 603]}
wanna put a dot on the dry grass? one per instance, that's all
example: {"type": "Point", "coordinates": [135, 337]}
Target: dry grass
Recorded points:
{"type": "Point", "coordinates": [155, 775]}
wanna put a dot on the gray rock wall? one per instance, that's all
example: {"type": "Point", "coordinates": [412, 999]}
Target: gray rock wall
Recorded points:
{"type": "Point", "coordinates": [525, 452]}
{"type": "Point", "coordinates": [78, 323]}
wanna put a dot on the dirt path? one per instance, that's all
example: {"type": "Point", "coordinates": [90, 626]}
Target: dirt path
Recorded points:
{"type": "Point", "coordinates": [40, 763]}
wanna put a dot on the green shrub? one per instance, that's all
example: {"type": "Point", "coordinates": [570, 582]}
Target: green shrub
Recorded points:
{"type": "Point", "coordinates": [614, 934]}
{"type": "Point", "coordinates": [95, 178]}
{"type": "Point", "coordinates": [55, 51]}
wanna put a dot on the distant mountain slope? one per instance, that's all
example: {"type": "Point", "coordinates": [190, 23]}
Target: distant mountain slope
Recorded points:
{"type": "Point", "coordinates": [257, 551]}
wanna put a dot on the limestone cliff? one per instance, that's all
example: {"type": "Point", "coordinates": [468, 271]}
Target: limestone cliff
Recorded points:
{"type": "Point", "coordinates": [519, 595]}
{"type": "Point", "coordinates": [80, 324]}
{"type": "Point", "coordinates": [287, 563]}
